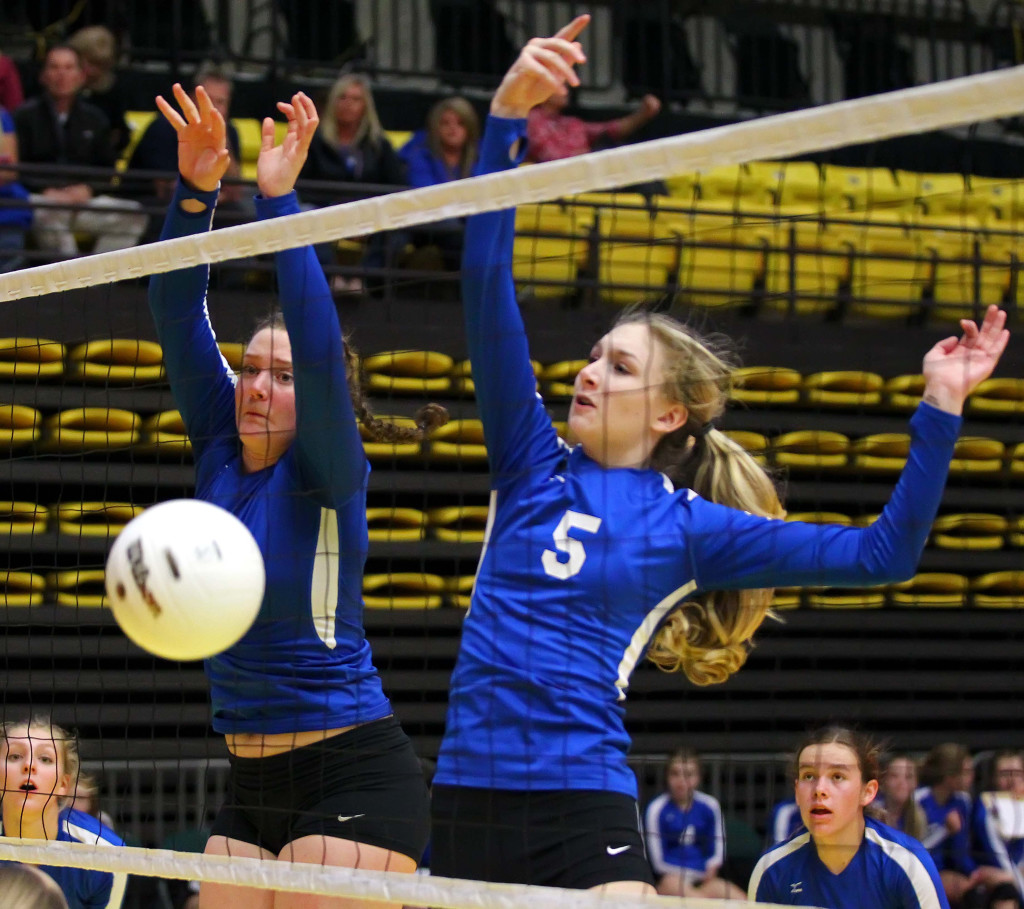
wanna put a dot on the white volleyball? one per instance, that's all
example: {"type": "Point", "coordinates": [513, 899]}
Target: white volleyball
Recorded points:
{"type": "Point", "coordinates": [185, 579]}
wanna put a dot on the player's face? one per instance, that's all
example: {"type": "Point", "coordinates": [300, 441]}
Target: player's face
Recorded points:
{"type": "Point", "coordinates": [265, 398]}
{"type": "Point", "coordinates": [683, 779]}
{"type": "Point", "coordinates": [619, 409]}
{"type": "Point", "coordinates": [1010, 775]}
{"type": "Point", "coordinates": [899, 782]}
{"type": "Point", "coordinates": [831, 794]}
{"type": "Point", "coordinates": [33, 766]}
{"type": "Point", "coordinates": [451, 131]}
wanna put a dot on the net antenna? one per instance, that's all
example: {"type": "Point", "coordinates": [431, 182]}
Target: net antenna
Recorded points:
{"type": "Point", "coordinates": [923, 108]}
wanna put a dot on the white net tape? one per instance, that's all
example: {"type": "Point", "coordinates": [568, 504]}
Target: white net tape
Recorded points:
{"type": "Point", "coordinates": [378, 886]}
{"type": "Point", "coordinates": [920, 109]}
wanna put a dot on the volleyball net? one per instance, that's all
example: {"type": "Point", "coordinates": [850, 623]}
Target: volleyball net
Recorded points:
{"type": "Point", "coordinates": [747, 239]}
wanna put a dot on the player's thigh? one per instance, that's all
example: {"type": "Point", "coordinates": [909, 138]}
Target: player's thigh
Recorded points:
{"type": "Point", "coordinates": [225, 896]}
{"type": "Point", "coordinates": [339, 853]}
{"type": "Point", "coordinates": [628, 888]}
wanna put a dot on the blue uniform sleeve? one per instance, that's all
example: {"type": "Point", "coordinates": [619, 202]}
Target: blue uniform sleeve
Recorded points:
{"type": "Point", "coordinates": [200, 378]}
{"type": "Point", "coordinates": [517, 429]}
{"type": "Point", "coordinates": [328, 448]}
{"type": "Point", "coordinates": [732, 549]}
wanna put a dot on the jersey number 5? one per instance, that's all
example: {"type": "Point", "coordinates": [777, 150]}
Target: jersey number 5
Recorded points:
{"type": "Point", "coordinates": [555, 564]}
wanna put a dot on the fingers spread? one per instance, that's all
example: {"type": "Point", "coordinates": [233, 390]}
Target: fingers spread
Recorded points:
{"type": "Point", "coordinates": [173, 117]}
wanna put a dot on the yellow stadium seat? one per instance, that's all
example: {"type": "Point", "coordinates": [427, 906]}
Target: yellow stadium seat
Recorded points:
{"type": "Point", "coordinates": [931, 590]}
{"type": "Point", "coordinates": [1016, 460]}
{"type": "Point", "coordinates": [977, 454]}
{"type": "Point", "coordinates": [741, 185]}
{"type": "Point", "coordinates": [83, 429]}
{"type": "Point", "coordinates": [1004, 195]}
{"type": "Point", "coordinates": [883, 452]}
{"type": "Point", "coordinates": [395, 525]}
{"type": "Point", "coordinates": [787, 598]}
{"type": "Point", "coordinates": [943, 194]}
{"type": "Point", "coordinates": [232, 351]}
{"type": "Point", "coordinates": [384, 452]}
{"type": "Point", "coordinates": [841, 598]}
{"type": "Point", "coordinates": [754, 443]}
{"type": "Point", "coordinates": [31, 358]}
{"type": "Point", "coordinates": [459, 590]}
{"type": "Point", "coordinates": [801, 184]}
{"type": "Point", "coordinates": [844, 388]}
{"type": "Point", "coordinates": [766, 385]}
{"type": "Point", "coordinates": [462, 376]}
{"type": "Point", "coordinates": [810, 449]}
{"type": "Point", "coordinates": [867, 187]}
{"type": "Point", "coordinates": [21, 588]}
{"type": "Point", "coordinates": [116, 361]}
{"type": "Point", "coordinates": [164, 434]}
{"type": "Point", "coordinates": [250, 140]}
{"type": "Point", "coordinates": [966, 278]}
{"type": "Point", "coordinates": [398, 137]}
{"type": "Point", "coordinates": [904, 392]}
{"type": "Point", "coordinates": [459, 440]}
{"type": "Point", "coordinates": [820, 517]}
{"type": "Point", "coordinates": [637, 251]}
{"type": "Point", "coordinates": [1015, 532]}
{"type": "Point", "coordinates": [93, 519]}
{"type": "Point", "coordinates": [998, 396]}
{"type": "Point", "coordinates": [459, 523]}
{"type": "Point", "coordinates": [403, 590]}
{"type": "Point", "coordinates": [683, 188]}
{"type": "Point", "coordinates": [557, 378]}
{"type": "Point", "coordinates": [971, 531]}
{"type": "Point", "coordinates": [22, 518]}
{"type": "Point", "coordinates": [720, 264]}
{"type": "Point", "coordinates": [890, 272]}
{"type": "Point", "coordinates": [999, 590]}
{"type": "Point", "coordinates": [19, 426]}
{"type": "Point", "coordinates": [551, 245]}
{"type": "Point", "coordinates": [81, 588]}
{"type": "Point", "coordinates": [806, 265]}
{"type": "Point", "coordinates": [408, 371]}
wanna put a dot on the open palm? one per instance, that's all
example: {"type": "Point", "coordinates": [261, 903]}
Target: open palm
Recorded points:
{"type": "Point", "coordinates": [954, 367]}
{"type": "Point", "coordinates": [278, 166]}
{"type": "Point", "coordinates": [202, 138]}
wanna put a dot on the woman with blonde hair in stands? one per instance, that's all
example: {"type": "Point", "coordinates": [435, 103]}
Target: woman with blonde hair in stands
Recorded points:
{"type": "Point", "coordinates": [447, 149]}
{"type": "Point", "coordinates": [654, 535]}
{"type": "Point", "coordinates": [896, 800]}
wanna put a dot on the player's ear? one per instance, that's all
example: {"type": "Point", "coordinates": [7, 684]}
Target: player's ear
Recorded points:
{"type": "Point", "coordinates": [870, 791]}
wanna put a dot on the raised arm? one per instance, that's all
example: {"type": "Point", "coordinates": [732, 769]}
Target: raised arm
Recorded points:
{"type": "Point", "coordinates": [198, 374]}
{"type": "Point", "coordinates": [328, 448]}
{"type": "Point", "coordinates": [517, 429]}
{"type": "Point", "coordinates": [736, 550]}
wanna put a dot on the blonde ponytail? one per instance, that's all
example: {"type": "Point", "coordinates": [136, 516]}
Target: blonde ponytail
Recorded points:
{"type": "Point", "coordinates": [707, 638]}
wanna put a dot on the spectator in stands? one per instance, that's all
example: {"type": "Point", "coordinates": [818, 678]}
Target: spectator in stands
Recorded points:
{"type": "Point", "coordinates": [783, 822]}
{"type": "Point", "coordinates": [97, 47]}
{"type": "Point", "coordinates": [350, 146]}
{"type": "Point", "coordinates": [655, 535]}
{"type": "Point", "coordinates": [12, 96]}
{"type": "Point", "coordinates": [896, 801]}
{"type": "Point", "coordinates": [847, 858]}
{"type": "Point", "coordinates": [321, 771]}
{"type": "Point", "coordinates": [26, 887]}
{"type": "Point", "coordinates": [15, 218]}
{"type": "Point", "coordinates": [446, 150]}
{"type": "Point", "coordinates": [40, 765]}
{"type": "Point", "coordinates": [999, 832]}
{"type": "Point", "coordinates": [947, 811]}
{"type": "Point", "coordinates": [59, 128]}
{"type": "Point", "coordinates": [685, 834]}
{"type": "Point", "coordinates": [157, 150]}
{"type": "Point", "coordinates": [554, 134]}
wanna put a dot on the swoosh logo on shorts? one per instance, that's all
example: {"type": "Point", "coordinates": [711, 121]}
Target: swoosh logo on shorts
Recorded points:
{"type": "Point", "coordinates": [352, 817]}
{"type": "Point", "coordinates": [616, 850]}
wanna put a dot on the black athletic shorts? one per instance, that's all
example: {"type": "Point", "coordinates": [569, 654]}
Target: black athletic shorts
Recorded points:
{"type": "Point", "coordinates": [565, 838]}
{"type": "Point", "coordinates": [364, 785]}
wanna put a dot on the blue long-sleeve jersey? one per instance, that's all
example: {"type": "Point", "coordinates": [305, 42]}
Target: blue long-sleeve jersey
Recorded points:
{"type": "Point", "coordinates": [685, 839]}
{"type": "Point", "coordinates": [86, 888]}
{"type": "Point", "coordinates": [305, 664]}
{"type": "Point", "coordinates": [890, 870]}
{"type": "Point", "coordinates": [949, 851]}
{"type": "Point", "coordinates": [998, 826]}
{"type": "Point", "coordinates": [582, 564]}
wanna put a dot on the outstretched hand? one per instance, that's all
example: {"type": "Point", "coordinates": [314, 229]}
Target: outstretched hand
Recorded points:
{"type": "Point", "coordinates": [202, 138]}
{"type": "Point", "coordinates": [954, 367]}
{"type": "Point", "coordinates": [543, 68]}
{"type": "Point", "coordinates": [278, 166]}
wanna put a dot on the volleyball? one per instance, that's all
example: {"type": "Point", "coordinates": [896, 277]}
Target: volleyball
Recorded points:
{"type": "Point", "coordinates": [185, 579]}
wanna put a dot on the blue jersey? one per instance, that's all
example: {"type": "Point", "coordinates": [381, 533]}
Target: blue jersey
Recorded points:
{"type": "Point", "coordinates": [84, 888]}
{"type": "Point", "coordinates": [784, 821]}
{"type": "Point", "coordinates": [305, 664]}
{"type": "Point", "coordinates": [688, 839]}
{"type": "Point", "coordinates": [890, 870]}
{"type": "Point", "coordinates": [998, 826]}
{"type": "Point", "coordinates": [949, 851]}
{"type": "Point", "coordinates": [582, 564]}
